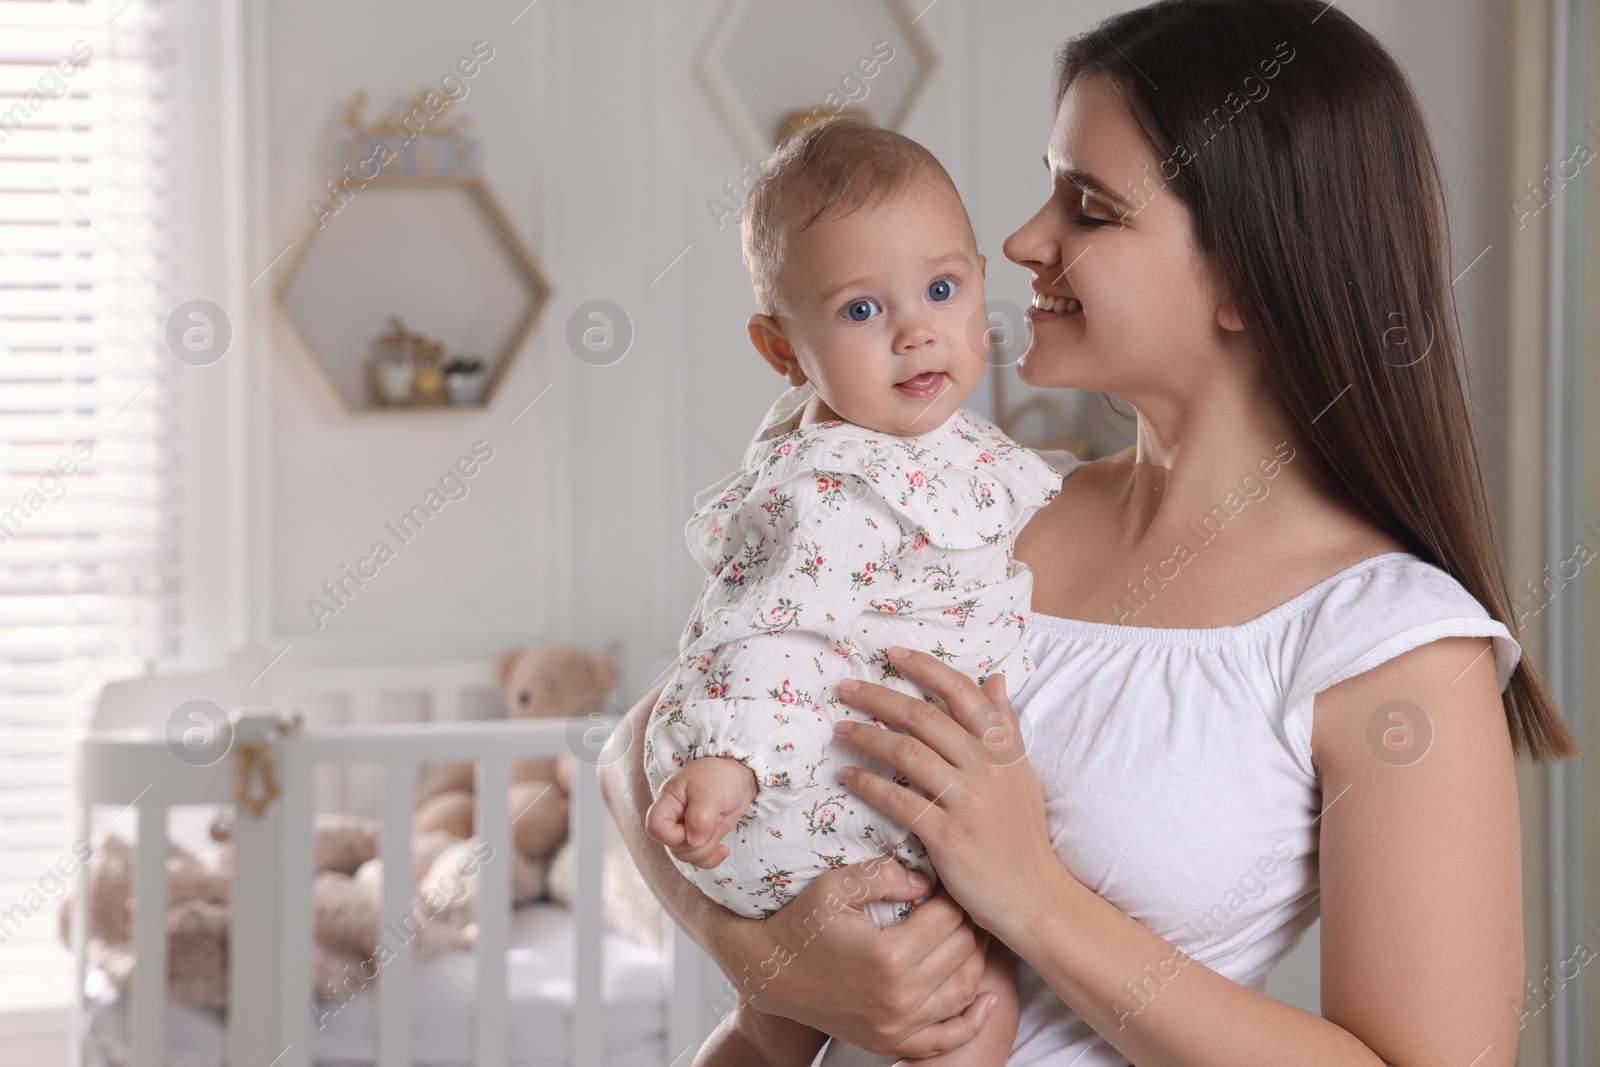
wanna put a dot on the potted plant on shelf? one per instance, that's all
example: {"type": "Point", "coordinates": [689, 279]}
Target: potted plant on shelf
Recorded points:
{"type": "Point", "coordinates": [465, 380]}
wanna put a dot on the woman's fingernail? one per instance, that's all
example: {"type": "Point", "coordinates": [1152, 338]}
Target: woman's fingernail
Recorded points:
{"type": "Point", "coordinates": [842, 725]}
{"type": "Point", "coordinates": [848, 686]}
{"type": "Point", "coordinates": [919, 882]}
{"type": "Point", "coordinates": [897, 652]}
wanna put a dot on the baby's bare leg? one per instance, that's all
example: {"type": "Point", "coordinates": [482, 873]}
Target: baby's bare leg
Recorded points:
{"type": "Point", "coordinates": [749, 1037]}
{"type": "Point", "coordinates": [993, 1043]}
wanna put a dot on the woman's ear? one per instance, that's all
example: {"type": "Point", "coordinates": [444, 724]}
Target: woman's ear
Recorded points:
{"type": "Point", "coordinates": [766, 334]}
{"type": "Point", "coordinates": [1229, 316]}
{"type": "Point", "coordinates": [1229, 313]}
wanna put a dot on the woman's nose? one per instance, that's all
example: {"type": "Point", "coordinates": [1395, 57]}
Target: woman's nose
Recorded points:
{"type": "Point", "coordinates": [1032, 245]}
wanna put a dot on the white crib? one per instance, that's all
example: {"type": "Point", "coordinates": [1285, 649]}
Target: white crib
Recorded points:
{"type": "Point", "coordinates": [271, 936]}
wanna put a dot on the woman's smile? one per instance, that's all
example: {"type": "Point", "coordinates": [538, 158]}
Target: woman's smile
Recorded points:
{"type": "Point", "coordinates": [1045, 306]}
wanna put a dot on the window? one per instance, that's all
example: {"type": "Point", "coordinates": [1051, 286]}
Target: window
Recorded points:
{"type": "Point", "coordinates": [87, 566]}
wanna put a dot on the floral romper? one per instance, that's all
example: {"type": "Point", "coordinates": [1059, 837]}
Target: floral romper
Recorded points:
{"type": "Point", "coordinates": [832, 543]}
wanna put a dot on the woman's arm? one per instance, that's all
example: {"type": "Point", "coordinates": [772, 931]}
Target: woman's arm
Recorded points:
{"type": "Point", "coordinates": [1421, 868]}
{"type": "Point", "coordinates": [1421, 903]}
{"type": "Point", "coordinates": [1422, 935]}
{"type": "Point", "coordinates": [917, 980]}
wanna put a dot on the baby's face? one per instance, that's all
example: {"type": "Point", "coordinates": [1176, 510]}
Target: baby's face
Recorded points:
{"type": "Point", "coordinates": [883, 305]}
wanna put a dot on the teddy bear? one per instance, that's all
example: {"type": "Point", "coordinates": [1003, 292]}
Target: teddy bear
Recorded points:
{"type": "Point", "coordinates": [548, 681]}
{"type": "Point", "coordinates": [198, 906]}
{"type": "Point", "coordinates": [197, 919]}
{"type": "Point", "coordinates": [351, 941]}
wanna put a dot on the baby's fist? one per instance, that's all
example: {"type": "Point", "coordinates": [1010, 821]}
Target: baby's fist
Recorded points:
{"type": "Point", "coordinates": [697, 805]}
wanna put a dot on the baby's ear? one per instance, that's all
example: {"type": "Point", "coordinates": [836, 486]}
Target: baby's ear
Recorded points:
{"type": "Point", "coordinates": [983, 265]}
{"type": "Point", "coordinates": [766, 334]}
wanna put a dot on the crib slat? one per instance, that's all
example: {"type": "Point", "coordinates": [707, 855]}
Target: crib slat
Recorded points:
{"type": "Point", "coordinates": [149, 993]}
{"type": "Point", "coordinates": [686, 979]}
{"type": "Point", "coordinates": [253, 941]}
{"type": "Point", "coordinates": [588, 835]}
{"type": "Point", "coordinates": [494, 909]}
{"type": "Point", "coordinates": [398, 926]}
{"type": "Point", "coordinates": [296, 929]}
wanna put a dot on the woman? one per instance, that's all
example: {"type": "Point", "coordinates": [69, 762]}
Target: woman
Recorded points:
{"type": "Point", "coordinates": [1275, 670]}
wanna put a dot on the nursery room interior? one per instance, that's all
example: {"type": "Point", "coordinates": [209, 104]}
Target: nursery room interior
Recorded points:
{"type": "Point", "coordinates": [364, 362]}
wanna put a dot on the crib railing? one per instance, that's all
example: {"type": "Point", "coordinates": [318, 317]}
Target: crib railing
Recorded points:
{"type": "Point", "coordinates": [270, 1004]}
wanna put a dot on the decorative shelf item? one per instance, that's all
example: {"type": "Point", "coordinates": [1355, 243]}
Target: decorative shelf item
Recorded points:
{"type": "Point", "coordinates": [465, 381]}
{"type": "Point", "coordinates": [413, 290]}
{"type": "Point", "coordinates": [811, 61]}
{"type": "Point", "coordinates": [800, 118]}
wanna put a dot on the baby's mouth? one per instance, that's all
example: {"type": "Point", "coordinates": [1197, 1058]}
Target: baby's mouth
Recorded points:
{"type": "Point", "coordinates": [922, 385]}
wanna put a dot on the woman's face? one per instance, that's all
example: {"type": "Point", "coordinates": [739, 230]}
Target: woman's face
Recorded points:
{"type": "Point", "coordinates": [1154, 314]}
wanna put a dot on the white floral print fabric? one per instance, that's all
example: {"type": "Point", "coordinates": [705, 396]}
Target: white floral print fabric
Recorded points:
{"type": "Point", "coordinates": [830, 544]}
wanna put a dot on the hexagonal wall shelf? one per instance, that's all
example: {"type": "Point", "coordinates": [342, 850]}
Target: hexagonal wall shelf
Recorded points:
{"type": "Point", "coordinates": [436, 252]}
{"type": "Point", "coordinates": [764, 60]}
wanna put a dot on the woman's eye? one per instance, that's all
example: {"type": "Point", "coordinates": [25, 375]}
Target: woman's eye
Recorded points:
{"type": "Point", "coordinates": [940, 290]}
{"type": "Point", "coordinates": [1090, 222]}
{"type": "Point", "coordinates": [862, 310]}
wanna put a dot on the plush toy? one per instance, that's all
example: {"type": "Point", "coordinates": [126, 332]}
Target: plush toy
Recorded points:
{"type": "Point", "coordinates": [197, 920]}
{"type": "Point", "coordinates": [351, 942]}
{"type": "Point", "coordinates": [198, 897]}
{"type": "Point", "coordinates": [550, 681]}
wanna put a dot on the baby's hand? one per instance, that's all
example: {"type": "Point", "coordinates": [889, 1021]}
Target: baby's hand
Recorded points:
{"type": "Point", "coordinates": [698, 804]}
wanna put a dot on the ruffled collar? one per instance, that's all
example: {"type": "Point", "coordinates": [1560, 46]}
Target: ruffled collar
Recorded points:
{"type": "Point", "coordinates": [964, 483]}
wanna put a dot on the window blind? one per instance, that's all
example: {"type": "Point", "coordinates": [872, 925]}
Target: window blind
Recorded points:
{"type": "Point", "coordinates": [86, 464]}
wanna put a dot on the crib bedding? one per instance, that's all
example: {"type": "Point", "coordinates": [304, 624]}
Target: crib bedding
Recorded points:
{"type": "Point", "coordinates": [539, 991]}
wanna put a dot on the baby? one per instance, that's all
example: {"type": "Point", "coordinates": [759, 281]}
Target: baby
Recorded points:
{"type": "Point", "coordinates": [872, 509]}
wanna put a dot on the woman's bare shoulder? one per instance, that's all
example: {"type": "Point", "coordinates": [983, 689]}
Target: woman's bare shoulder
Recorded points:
{"type": "Point", "coordinates": [1076, 552]}
{"type": "Point", "coordinates": [1095, 476]}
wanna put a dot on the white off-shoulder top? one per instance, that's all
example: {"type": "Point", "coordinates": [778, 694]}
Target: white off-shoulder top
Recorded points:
{"type": "Point", "coordinates": [1177, 774]}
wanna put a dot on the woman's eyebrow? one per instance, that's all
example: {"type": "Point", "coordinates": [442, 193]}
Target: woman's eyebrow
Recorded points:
{"type": "Point", "coordinates": [1084, 180]}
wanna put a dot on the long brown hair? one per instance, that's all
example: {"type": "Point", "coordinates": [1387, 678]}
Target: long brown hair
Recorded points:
{"type": "Point", "coordinates": [1298, 144]}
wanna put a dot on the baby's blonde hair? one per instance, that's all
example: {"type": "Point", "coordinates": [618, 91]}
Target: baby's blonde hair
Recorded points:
{"type": "Point", "coordinates": [834, 167]}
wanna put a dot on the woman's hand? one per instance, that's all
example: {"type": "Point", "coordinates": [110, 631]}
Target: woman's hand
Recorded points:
{"type": "Point", "coordinates": [905, 990]}
{"type": "Point", "coordinates": [917, 979]}
{"type": "Point", "coordinates": [983, 819]}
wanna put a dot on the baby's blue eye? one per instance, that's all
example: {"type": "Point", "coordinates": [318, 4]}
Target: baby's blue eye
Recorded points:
{"type": "Point", "coordinates": [939, 290]}
{"type": "Point", "coordinates": [862, 310]}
